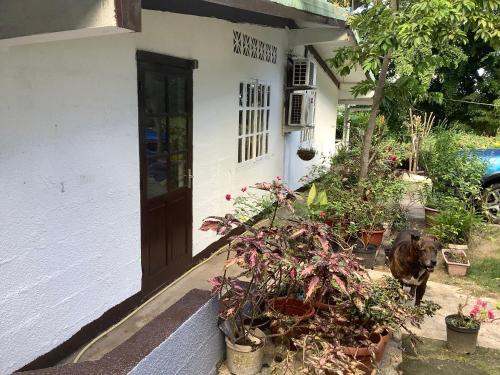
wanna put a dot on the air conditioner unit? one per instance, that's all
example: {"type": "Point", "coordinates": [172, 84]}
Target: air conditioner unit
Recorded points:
{"type": "Point", "coordinates": [301, 109]}
{"type": "Point", "coordinates": [304, 72]}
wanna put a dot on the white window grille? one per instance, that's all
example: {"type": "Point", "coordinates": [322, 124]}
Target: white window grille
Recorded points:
{"type": "Point", "coordinates": [253, 127]}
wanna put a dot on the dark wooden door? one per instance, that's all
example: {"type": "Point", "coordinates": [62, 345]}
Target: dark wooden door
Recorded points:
{"type": "Point", "coordinates": [165, 133]}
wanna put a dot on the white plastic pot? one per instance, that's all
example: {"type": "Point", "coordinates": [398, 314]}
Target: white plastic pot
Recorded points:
{"type": "Point", "coordinates": [246, 359]}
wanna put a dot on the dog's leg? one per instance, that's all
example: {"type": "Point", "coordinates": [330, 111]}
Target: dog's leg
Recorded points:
{"type": "Point", "coordinates": [420, 292]}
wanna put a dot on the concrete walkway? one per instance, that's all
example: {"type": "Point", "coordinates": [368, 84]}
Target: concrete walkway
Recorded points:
{"type": "Point", "coordinates": [449, 297]}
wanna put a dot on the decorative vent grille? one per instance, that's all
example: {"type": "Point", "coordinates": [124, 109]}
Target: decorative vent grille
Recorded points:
{"type": "Point", "coordinates": [246, 45]}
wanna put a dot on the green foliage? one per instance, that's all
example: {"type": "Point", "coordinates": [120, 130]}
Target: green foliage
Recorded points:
{"type": "Point", "coordinates": [486, 272]}
{"type": "Point", "coordinates": [475, 80]}
{"type": "Point", "coordinates": [452, 173]}
{"type": "Point", "coordinates": [421, 37]}
{"type": "Point", "coordinates": [456, 222]}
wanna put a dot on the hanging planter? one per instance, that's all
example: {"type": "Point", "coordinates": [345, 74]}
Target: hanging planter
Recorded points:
{"type": "Point", "coordinates": [306, 154]}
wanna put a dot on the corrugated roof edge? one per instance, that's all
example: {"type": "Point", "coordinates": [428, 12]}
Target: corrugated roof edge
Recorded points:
{"type": "Point", "coordinates": [319, 7]}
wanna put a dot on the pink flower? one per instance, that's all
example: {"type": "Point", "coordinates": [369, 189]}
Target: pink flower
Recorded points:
{"type": "Point", "coordinates": [243, 189]}
{"type": "Point", "coordinates": [475, 311]}
{"type": "Point", "coordinates": [393, 157]}
{"type": "Point", "coordinates": [228, 197]}
{"type": "Point", "coordinates": [322, 214]}
{"type": "Point", "coordinates": [491, 315]}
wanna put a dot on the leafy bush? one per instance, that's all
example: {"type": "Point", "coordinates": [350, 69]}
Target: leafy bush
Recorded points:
{"type": "Point", "coordinates": [452, 172]}
{"type": "Point", "coordinates": [455, 223]}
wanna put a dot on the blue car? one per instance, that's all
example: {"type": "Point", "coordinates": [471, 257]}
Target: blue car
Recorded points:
{"type": "Point", "coordinates": [491, 182]}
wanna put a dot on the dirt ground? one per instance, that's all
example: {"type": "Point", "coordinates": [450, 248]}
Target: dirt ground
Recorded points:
{"type": "Point", "coordinates": [430, 357]}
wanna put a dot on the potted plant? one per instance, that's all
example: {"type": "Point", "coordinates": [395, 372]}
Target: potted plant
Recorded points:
{"type": "Point", "coordinates": [432, 202]}
{"type": "Point", "coordinates": [456, 223]}
{"type": "Point", "coordinates": [306, 153]}
{"type": "Point", "coordinates": [378, 206]}
{"type": "Point", "coordinates": [456, 261]}
{"type": "Point", "coordinates": [462, 330]}
{"type": "Point", "coordinates": [366, 253]}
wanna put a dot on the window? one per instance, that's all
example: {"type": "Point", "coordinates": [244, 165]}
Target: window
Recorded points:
{"type": "Point", "coordinates": [253, 127]}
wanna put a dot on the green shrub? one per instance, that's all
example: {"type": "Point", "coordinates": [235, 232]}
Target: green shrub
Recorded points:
{"type": "Point", "coordinates": [456, 222]}
{"type": "Point", "coordinates": [452, 172]}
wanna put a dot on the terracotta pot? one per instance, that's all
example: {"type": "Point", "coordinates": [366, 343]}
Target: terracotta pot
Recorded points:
{"type": "Point", "coordinates": [372, 237]}
{"type": "Point", "coordinates": [292, 307]}
{"type": "Point", "coordinates": [364, 354]}
{"type": "Point", "coordinates": [460, 340]}
{"type": "Point", "coordinates": [246, 359]}
{"type": "Point", "coordinates": [430, 215]}
{"type": "Point", "coordinates": [456, 269]}
{"type": "Point", "coordinates": [386, 337]}
{"type": "Point", "coordinates": [453, 246]}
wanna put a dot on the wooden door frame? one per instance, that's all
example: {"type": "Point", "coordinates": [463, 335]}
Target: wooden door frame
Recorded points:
{"type": "Point", "coordinates": [170, 63]}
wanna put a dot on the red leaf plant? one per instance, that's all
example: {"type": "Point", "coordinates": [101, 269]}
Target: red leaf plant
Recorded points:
{"type": "Point", "coordinates": [297, 257]}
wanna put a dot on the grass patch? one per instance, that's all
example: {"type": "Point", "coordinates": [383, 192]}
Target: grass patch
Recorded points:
{"type": "Point", "coordinates": [431, 357]}
{"type": "Point", "coordinates": [486, 272]}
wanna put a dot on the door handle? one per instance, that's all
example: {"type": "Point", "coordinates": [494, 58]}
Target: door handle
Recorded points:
{"type": "Point", "coordinates": [190, 178]}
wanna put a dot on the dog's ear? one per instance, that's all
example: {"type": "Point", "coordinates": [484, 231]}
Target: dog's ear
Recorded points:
{"type": "Point", "coordinates": [415, 237]}
{"type": "Point", "coordinates": [437, 243]}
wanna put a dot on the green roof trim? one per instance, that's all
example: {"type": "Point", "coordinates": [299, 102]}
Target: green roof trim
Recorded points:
{"type": "Point", "coordinates": [319, 7]}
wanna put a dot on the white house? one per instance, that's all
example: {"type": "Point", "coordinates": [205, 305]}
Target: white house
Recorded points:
{"type": "Point", "coordinates": [122, 125]}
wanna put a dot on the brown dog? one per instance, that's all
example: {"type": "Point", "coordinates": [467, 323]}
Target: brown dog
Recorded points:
{"type": "Point", "coordinates": [412, 259]}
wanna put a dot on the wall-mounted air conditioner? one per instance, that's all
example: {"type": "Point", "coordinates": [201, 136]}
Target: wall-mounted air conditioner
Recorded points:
{"type": "Point", "coordinates": [304, 72]}
{"type": "Point", "coordinates": [301, 108]}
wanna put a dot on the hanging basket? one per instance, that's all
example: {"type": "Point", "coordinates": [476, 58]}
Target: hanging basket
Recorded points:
{"type": "Point", "coordinates": [306, 154]}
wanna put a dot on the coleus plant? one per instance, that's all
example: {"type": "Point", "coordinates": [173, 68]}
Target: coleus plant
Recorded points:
{"type": "Point", "coordinates": [295, 258]}
{"type": "Point", "coordinates": [277, 259]}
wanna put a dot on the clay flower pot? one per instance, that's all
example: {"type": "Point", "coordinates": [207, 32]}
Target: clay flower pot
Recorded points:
{"type": "Point", "coordinates": [430, 215]}
{"type": "Point", "coordinates": [372, 237]}
{"type": "Point", "coordinates": [246, 359]}
{"type": "Point", "coordinates": [291, 307]}
{"type": "Point", "coordinates": [386, 336]}
{"type": "Point", "coordinates": [365, 354]}
{"type": "Point", "coordinates": [460, 340]}
{"type": "Point", "coordinates": [456, 261]}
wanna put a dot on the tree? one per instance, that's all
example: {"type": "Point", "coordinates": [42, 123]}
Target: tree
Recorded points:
{"type": "Point", "coordinates": [411, 40]}
{"type": "Point", "coordinates": [475, 80]}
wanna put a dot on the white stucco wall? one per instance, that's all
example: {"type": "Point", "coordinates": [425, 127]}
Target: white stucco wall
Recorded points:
{"type": "Point", "coordinates": [324, 133]}
{"type": "Point", "coordinates": [69, 179]}
{"type": "Point", "coordinates": [69, 168]}
{"type": "Point", "coordinates": [215, 117]}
